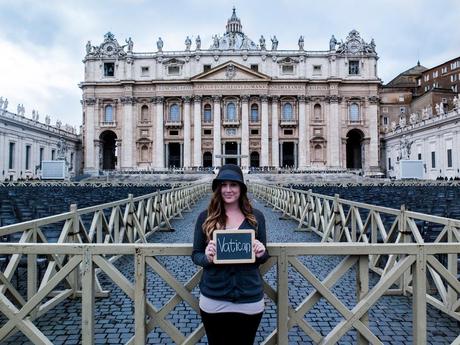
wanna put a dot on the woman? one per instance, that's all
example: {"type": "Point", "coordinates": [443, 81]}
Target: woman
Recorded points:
{"type": "Point", "coordinates": [232, 296]}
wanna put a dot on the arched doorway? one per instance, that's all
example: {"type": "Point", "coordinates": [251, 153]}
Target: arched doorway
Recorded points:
{"type": "Point", "coordinates": [255, 162]}
{"type": "Point", "coordinates": [108, 145]}
{"type": "Point", "coordinates": [174, 155]}
{"type": "Point", "coordinates": [207, 159]}
{"type": "Point", "coordinates": [354, 149]}
{"type": "Point", "coordinates": [288, 159]}
{"type": "Point", "coordinates": [231, 148]}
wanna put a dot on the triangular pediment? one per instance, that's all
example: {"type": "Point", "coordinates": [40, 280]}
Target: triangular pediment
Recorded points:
{"type": "Point", "coordinates": [230, 71]}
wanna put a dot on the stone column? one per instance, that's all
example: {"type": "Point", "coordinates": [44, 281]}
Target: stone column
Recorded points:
{"type": "Point", "coordinates": [187, 136]}
{"type": "Point", "coordinates": [92, 122]}
{"type": "Point", "coordinates": [159, 133]}
{"type": "Point", "coordinates": [245, 131]}
{"type": "Point", "coordinates": [197, 131]}
{"type": "Point", "coordinates": [264, 132]}
{"type": "Point", "coordinates": [217, 145]}
{"type": "Point", "coordinates": [127, 132]}
{"type": "Point", "coordinates": [302, 159]}
{"type": "Point", "coordinates": [118, 147]}
{"type": "Point", "coordinates": [275, 133]}
{"type": "Point", "coordinates": [373, 158]}
{"type": "Point", "coordinates": [333, 133]}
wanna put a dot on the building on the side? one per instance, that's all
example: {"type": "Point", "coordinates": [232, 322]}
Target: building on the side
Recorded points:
{"type": "Point", "coordinates": [434, 140]}
{"type": "Point", "coordinates": [445, 76]}
{"type": "Point", "coordinates": [25, 143]}
{"type": "Point", "coordinates": [238, 101]}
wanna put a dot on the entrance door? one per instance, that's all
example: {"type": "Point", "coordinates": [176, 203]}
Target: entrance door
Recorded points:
{"type": "Point", "coordinates": [255, 159]}
{"type": "Point", "coordinates": [174, 155]}
{"type": "Point", "coordinates": [231, 148]}
{"type": "Point", "coordinates": [288, 154]}
{"type": "Point", "coordinates": [354, 149]}
{"type": "Point", "coordinates": [207, 159]}
{"type": "Point", "coordinates": [109, 160]}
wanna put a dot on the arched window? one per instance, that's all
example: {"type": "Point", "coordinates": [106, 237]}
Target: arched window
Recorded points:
{"type": "Point", "coordinates": [174, 113]}
{"type": "Point", "coordinates": [108, 113]}
{"type": "Point", "coordinates": [287, 112]}
{"type": "Point", "coordinates": [144, 153]}
{"type": "Point", "coordinates": [317, 112]}
{"type": "Point", "coordinates": [354, 112]}
{"type": "Point", "coordinates": [145, 113]}
{"type": "Point", "coordinates": [207, 113]}
{"type": "Point", "coordinates": [231, 112]}
{"type": "Point", "coordinates": [254, 113]}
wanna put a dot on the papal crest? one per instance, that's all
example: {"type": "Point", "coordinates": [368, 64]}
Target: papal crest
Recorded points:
{"type": "Point", "coordinates": [230, 72]}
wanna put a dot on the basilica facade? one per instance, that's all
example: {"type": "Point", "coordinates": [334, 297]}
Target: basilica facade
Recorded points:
{"type": "Point", "coordinates": [236, 101]}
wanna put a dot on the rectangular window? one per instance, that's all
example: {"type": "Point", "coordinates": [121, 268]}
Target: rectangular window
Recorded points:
{"type": "Point", "coordinates": [11, 157]}
{"type": "Point", "coordinates": [287, 69]}
{"type": "Point", "coordinates": [53, 154]}
{"type": "Point", "coordinates": [435, 74]}
{"type": "Point", "coordinates": [427, 88]}
{"type": "Point", "coordinates": [453, 77]}
{"type": "Point", "coordinates": [389, 163]}
{"type": "Point", "coordinates": [443, 70]}
{"type": "Point", "coordinates": [71, 161]}
{"type": "Point", "coordinates": [317, 69]}
{"type": "Point", "coordinates": [254, 132]}
{"type": "Point", "coordinates": [173, 70]}
{"type": "Point", "coordinates": [207, 132]}
{"type": "Point", "coordinates": [255, 67]}
{"type": "Point", "coordinates": [353, 67]}
{"type": "Point", "coordinates": [449, 158]}
{"type": "Point", "coordinates": [109, 69]}
{"type": "Point", "coordinates": [28, 157]}
{"type": "Point", "coordinates": [454, 88]}
{"type": "Point", "coordinates": [385, 120]}
{"type": "Point", "coordinates": [206, 68]}
{"type": "Point", "coordinates": [145, 71]}
{"type": "Point", "coordinates": [419, 82]}
{"type": "Point", "coordinates": [419, 156]}
{"type": "Point", "coordinates": [288, 132]}
{"type": "Point", "coordinates": [42, 155]}
{"type": "Point", "coordinates": [433, 159]}
{"type": "Point", "coordinates": [173, 132]}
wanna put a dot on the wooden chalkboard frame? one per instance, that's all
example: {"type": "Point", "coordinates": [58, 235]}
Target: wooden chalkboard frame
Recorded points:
{"type": "Point", "coordinates": [216, 233]}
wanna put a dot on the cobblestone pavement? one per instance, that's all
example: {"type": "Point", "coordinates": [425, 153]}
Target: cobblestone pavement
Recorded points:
{"type": "Point", "coordinates": [390, 318]}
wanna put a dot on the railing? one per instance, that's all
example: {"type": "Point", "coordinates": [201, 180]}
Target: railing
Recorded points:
{"type": "Point", "coordinates": [83, 261]}
{"type": "Point", "coordinates": [339, 220]}
{"type": "Point", "coordinates": [130, 220]}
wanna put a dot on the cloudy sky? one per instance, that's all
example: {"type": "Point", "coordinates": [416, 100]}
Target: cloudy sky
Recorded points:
{"type": "Point", "coordinates": [42, 43]}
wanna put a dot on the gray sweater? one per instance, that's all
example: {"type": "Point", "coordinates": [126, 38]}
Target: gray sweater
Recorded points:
{"type": "Point", "coordinates": [237, 283]}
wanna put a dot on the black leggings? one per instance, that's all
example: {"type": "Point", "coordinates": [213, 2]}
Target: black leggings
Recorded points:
{"type": "Point", "coordinates": [230, 328]}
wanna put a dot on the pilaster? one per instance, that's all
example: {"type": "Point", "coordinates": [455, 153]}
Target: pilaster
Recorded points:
{"type": "Point", "coordinates": [159, 131]}
{"type": "Point", "coordinates": [264, 132]}
{"type": "Point", "coordinates": [275, 132]}
{"type": "Point", "coordinates": [217, 145]}
{"type": "Point", "coordinates": [127, 132]}
{"type": "Point", "coordinates": [187, 134]}
{"type": "Point", "coordinates": [245, 131]}
{"type": "Point", "coordinates": [197, 131]}
{"type": "Point", "coordinates": [302, 163]}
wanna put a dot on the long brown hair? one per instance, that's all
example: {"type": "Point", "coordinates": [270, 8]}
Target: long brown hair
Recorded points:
{"type": "Point", "coordinates": [217, 218]}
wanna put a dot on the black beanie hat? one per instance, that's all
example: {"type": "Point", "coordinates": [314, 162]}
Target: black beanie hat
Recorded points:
{"type": "Point", "coordinates": [229, 172]}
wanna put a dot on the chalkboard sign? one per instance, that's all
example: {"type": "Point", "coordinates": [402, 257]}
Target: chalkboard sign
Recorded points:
{"type": "Point", "coordinates": [234, 246]}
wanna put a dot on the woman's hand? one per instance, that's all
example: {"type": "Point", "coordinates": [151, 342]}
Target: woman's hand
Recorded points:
{"type": "Point", "coordinates": [258, 248]}
{"type": "Point", "coordinates": [210, 251]}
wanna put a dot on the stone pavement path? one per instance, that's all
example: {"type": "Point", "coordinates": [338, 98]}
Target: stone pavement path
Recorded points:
{"type": "Point", "coordinates": [390, 318]}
